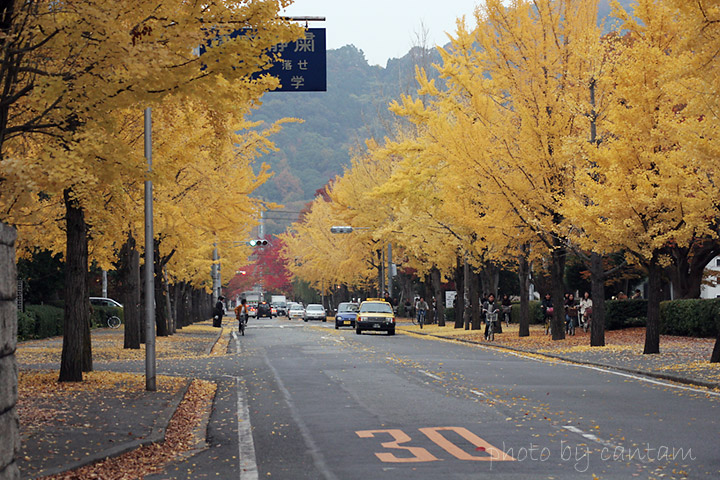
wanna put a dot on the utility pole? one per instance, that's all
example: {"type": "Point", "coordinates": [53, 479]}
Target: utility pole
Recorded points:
{"type": "Point", "coordinates": [390, 270]}
{"type": "Point", "coordinates": [150, 375]}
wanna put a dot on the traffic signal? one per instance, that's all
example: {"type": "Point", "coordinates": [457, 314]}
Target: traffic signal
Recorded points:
{"type": "Point", "coordinates": [259, 242]}
{"type": "Point", "coordinates": [341, 229]}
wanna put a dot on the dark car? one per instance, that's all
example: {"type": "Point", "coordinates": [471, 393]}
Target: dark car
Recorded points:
{"type": "Point", "coordinates": [264, 310]}
{"type": "Point", "coordinates": [281, 309]}
{"type": "Point", "coordinates": [346, 315]}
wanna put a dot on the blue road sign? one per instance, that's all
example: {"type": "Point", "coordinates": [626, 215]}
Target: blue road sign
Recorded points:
{"type": "Point", "coordinates": [302, 66]}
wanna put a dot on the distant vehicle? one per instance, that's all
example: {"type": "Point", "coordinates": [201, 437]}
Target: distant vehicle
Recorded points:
{"type": "Point", "coordinates": [375, 314]}
{"type": "Point", "coordinates": [315, 311]}
{"type": "Point", "coordinates": [281, 309]}
{"type": "Point", "coordinates": [296, 311]}
{"type": "Point", "coordinates": [278, 299]}
{"type": "Point", "coordinates": [252, 311]}
{"type": "Point", "coordinates": [104, 302]}
{"type": "Point", "coordinates": [264, 310]}
{"type": "Point", "coordinates": [346, 315]}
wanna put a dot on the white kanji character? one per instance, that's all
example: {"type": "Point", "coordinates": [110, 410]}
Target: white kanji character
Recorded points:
{"type": "Point", "coordinates": [297, 81]}
{"type": "Point", "coordinates": [306, 44]}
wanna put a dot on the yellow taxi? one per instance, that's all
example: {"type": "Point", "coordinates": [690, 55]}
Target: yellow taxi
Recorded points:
{"type": "Point", "coordinates": [375, 314]}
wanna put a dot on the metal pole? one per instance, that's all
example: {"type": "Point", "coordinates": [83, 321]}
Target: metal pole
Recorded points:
{"type": "Point", "coordinates": [215, 275]}
{"type": "Point", "coordinates": [104, 283]}
{"type": "Point", "coordinates": [390, 270]}
{"type": "Point", "coordinates": [150, 376]}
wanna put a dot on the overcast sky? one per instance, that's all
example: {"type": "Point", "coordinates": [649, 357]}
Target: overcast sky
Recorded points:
{"type": "Point", "coordinates": [384, 29]}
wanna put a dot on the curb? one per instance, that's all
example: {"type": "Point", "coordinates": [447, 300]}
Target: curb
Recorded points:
{"type": "Point", "coordinates": [156, 435]}
{"type": "Point", "coordinates": [645, 373]}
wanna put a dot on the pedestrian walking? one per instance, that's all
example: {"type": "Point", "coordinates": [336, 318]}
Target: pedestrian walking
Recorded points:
{"type": "Point", "coordinates": [219, 312]}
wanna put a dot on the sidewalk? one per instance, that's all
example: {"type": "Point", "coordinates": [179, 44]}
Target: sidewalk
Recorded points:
{"type": "Point", "coordinates": [681, 359]}
{"type": "Point", "coordinates": [67, 425]}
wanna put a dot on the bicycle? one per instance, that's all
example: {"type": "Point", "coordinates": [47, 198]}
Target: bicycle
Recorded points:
{"type": "Point", "coordinates": [570, 321]}
{"type": "Point", "coordinates": [506, 314]}
{"type": "Point", "coordinates": [113, 321]}
{"type": "Point", "coordinates": [421, 318]}
{"type": "Point", "coordinates": [585, 319]}
{"type": "Point", "coordinates": [490, 319]}
{"type": "Point", "coordinates": [243, 321]}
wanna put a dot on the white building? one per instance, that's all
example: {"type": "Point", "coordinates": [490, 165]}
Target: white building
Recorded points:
{"type": "Point", "coordinates": [712, 273]}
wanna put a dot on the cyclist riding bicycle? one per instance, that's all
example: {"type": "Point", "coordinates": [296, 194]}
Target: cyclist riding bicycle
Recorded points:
{"type": "Point", "coordinates": [585, 311]}
{"type": "Point", "coordinates": [421, 306]}
{"type": "Point", "coordinates": [506, 308]}
{"type": "Point", "coordinates": [571, 313]}
{"type": "Point", "coordinates": [241, 313]}
{"type": "Point", "coordinates": [488, 309]}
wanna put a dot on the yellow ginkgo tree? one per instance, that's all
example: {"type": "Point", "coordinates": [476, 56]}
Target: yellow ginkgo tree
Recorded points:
{"type": "Point", "coordinates": [98, 58]}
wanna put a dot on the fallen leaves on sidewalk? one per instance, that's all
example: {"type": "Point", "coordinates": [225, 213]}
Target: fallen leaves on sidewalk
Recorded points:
{"type": "Point", "coordinates": [180, 438]}
{"type": "Point", "coordinates": [107, 345]}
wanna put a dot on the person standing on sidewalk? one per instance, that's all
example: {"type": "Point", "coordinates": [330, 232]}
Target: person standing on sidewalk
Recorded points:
{"type": "Point", "coordinates": [219, 312]}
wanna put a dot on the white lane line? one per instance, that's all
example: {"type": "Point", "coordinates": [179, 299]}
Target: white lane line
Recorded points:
{"type": "Point", "coordinates": [650, 380]}
{"type": "Point", "coordinates": [431, 375]}
{"type": "Point", "coordinates": [315, 452]}
{"type": "Point", "coordinates": [335, 339]}
{"type": "Point", "coordinates": [481, 394]}
{"type": "Point", "coordinates": [589, 436]}
{"type": "Point", "coordinates": [246, 447]}
{"type": "Point", "coordinates": [639, 378]}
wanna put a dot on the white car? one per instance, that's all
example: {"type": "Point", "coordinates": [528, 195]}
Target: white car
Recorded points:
{"type": "Point", "coordinates": [315, 311]}
{"type": "Point", "coordinates": [296, 311]}
{"type": "Point", "coordinates": [104, 302]}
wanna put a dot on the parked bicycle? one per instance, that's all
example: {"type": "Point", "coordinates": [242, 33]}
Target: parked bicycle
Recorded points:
{"type": "Point", "coordinates": [113, 321]}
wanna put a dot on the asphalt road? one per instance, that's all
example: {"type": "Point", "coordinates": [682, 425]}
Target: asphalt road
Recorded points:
{"type": "Point", "coordinates": [305, 401]}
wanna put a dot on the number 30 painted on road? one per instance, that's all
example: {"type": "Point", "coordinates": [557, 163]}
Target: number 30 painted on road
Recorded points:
{"type": "Point", "coordinates": [420, 454]}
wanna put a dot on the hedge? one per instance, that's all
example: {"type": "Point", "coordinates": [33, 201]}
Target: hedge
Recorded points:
{"type": "Point", "coordinates": [536, 313]}
{"type": "Point", "coordinates": [40, 321]}
{"type": "Point", "coordinates": [690, 318]}
{"type": "Point", "coordinates": [43, 321]}
{"type": "Point", "coordinates": [627, 313]}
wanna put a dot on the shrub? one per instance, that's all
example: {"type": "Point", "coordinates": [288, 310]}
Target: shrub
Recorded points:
{"type": "Point", "coordinates": [536, 314]}
{"type": "Point", "coordinates": [690, 318]}
{"type": "Point", "coordinates": [41, 321]}
{"type": "Point", "coordinates": [26, 326]}
{"type": "Point", "coordinates": [625, 313]}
